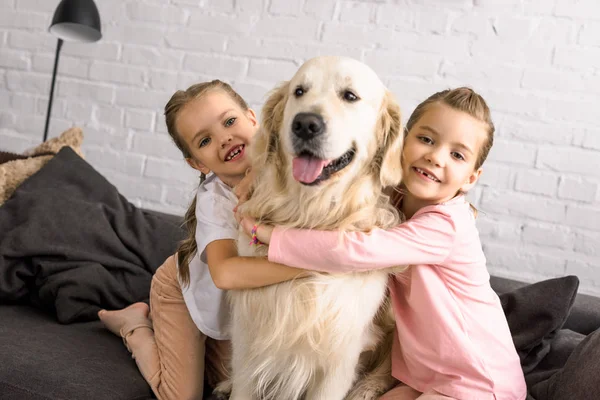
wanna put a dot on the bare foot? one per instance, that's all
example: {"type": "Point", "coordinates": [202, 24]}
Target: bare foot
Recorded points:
{"type": "Point", "coordinates": [135, 314]}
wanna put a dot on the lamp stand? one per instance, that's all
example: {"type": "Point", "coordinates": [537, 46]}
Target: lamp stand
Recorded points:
{"type": "Point", "coordinates": [58, 47]}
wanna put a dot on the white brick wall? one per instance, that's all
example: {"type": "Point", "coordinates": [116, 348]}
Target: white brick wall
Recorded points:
{"type": "Point", "coordinates": [537, 62]}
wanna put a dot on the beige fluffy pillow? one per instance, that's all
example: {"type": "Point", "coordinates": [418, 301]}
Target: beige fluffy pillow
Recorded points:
{"type": "Point", "coordinates": [13, 173]}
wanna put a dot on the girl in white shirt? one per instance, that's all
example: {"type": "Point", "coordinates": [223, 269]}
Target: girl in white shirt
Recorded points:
{"type": "Point", "coordinates": [186, 323]}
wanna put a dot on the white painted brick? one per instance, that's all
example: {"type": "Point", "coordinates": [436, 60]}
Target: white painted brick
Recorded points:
{"type": "Point", "coordinates": [67, 66]}
{"type": "Point", "coordinates": [496, 6]}
{"type": "Point", "coordinates": [135, 33]}
{"type": "Point", "coordinates": [281, 49]}
{"type": "Point", "coordinates": [8, 119]}
{"type": "Point", "coordinates": [142, 98]}
{"type": "Point", "coordinates": [556, 31]}
{"type": "Point", "coordinates": [253, 92]}
{"type": "Point", "coordinates": [522, 205]}
{"type": "Point", "coordinates": [135, 189]}
{"type": "Point", "coordinates": [214, 65]}
{"type": "Point", "coordinates": [180, 197]}
{"type": "Point", "coordinates": [578, 57]}
{"type": "Point", "coordinates": [573, 110]}
{"type": "Point", "coordinates": [197, 41]}
{"type": "Point", "coordinates": [36, 5]}
{"type": "Point", "coordinates": [591, 139]}
{"type": "Point", "coordinates": [105, 136]}
{"type": "Point", "coordinates": [156, 145]}
{"type": "Point", "coordinates": [186, 79]}
{"type": "Point", "coordinates": [514, 102]}
{"type": "Point", "coordinates": [496, 176]}
{"type": "Point", "coordinates": [397, 15]}
{"type": "Point", "coordinates": [590, 34]}
{"type": "Point", "coordinates": [579, 161]}
{"type": "Point", "coordinates": [285, 7]}
{"type": "Point", "coordinates": [511, 29]}
{"type": "Point", "coordinates": [85, 90]}
{"type": "Point", "coordinates": [111, 10]}
{"type": "Point", "coordinates": [363, 35]}
{"type": "Point", "coordinates": [509, 152]}
{"type": "Point", "coordinates": [516, 52]}
{"type": "Point", "coordinates": [577, 188]}
{"type": "Point", "coordinates": [537, 132]}
{"type": "Point", "coordinates": [16, 143]}
{"type": "Point", "coordinates": [163, 80]}
{"type": "Point", "coordinates": [23, 19]}
{"type": "Point", "coordinates": [59, 106]}
{"type": "Point", "coordinates": [250, 6]}
{"type": "Point", "coordinates": [285, 27]}
{"type": "Point", "coordinates": [523, 260]}
{"type": "Point", "coordinates": [170, 171]}
{"type": "Point", "coordinates": [28, 40]}
{"type": "Point", "coordinates": [548, 235]}
{"type": "Point", "coordinates": [452, 48]}
{"type": "Point", "coordinates": [403, 63]}
{"type": "Point", "coordinates": [557, 81]}
{"type": "Point", "coordinates": [537, 182]}
{"type": "Point", "coordinates": [19, 102]}
{"type": "Point", "coordinates": [267, 70]}
{"type": "Point", "coordinates": [320, 8]}
{"type": "Point", "coordinates": [100, 50]}
{"type": "Point", "coordinates": [7, 4]}
{"type": "Point", "coordinates": [538, 7]}
{"type": "Point", "coordinates": [357, 12]}
{"type": "Point", "coordinates": [156, 13]}
{"type": "Point", "coordinates": [587, 217]}
{"type": "Point", "coordinates": [469, 74]}
{"type": "Point", "coordinates": [581, 8]}
{"type": "Point", "coordinates": [218, 5]}
{"type": "Point", "coordinates": [434, 20]}
{"type": "Point", "coordinates": [224, 24]}
{"type": "Point", "coordinates": [29, 82]}
{"type": "Point", "coordinates": [140, 120]}
{"type": "Point", "coordinates": [498, 230]}
{"type": "Point", "coordinates": [14, 59]}
{"type": "Point", "coordinates": [587, 274]}
{"type": "Point", "coordinates": [108, 115]}
{"type": "Point", "coordinates": [153, 57]}
{"type": "Point", "coordinates": [588, 243]}
{"type": "Point", "coordinates": [473, 24]}
{"type": "Point", "coordinates": [118, 73]}
{"type": "Point", "coordinates": [127, 163]}
{"type": "Point", "coordinates": [78, 112]}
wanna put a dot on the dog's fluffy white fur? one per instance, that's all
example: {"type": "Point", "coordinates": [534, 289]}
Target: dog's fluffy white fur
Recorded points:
{"type": "Point", "coordinates": [303, 339]}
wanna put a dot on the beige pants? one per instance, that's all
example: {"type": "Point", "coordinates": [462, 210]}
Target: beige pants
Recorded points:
{"type": "Point", "coordinates": [403, 392]}
{"type": "Point", "coordinates": [175, 359]}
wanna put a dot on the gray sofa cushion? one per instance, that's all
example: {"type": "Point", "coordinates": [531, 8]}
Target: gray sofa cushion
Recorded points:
{"type": "Point", "coordinates": [42, 359]}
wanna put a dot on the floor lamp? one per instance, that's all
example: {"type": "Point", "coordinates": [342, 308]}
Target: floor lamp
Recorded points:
{"type": "Point", "coordinates": [77, 21]}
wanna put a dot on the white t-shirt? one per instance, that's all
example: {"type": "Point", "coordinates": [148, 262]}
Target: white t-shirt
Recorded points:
{"type": "Point", "coordinates": [215, 220]}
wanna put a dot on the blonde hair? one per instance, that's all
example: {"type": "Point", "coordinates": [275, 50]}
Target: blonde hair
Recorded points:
{"type": "Point", "coordinates": [466, 100]}
{"type": "Point", "coordinates": [188, 247]}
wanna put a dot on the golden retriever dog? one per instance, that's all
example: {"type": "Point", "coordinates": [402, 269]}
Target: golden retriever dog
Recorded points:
{"type": "Point", "coordinates": [330, 142]}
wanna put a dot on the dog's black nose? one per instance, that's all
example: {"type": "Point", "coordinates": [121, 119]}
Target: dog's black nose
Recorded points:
{"type": "Point", "coordinates": [308, 125]}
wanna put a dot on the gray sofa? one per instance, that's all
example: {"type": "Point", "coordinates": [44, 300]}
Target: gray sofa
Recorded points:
{"type": "Point", "coordinates": [555, 330]}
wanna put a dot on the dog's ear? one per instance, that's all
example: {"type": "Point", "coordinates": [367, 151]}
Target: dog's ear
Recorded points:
{"type": "Point", "coordinates": [266, 141]}
{"type": "Point", "coordinates": [390, 125]}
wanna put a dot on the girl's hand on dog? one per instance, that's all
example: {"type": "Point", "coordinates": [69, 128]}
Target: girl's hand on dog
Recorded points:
{"type": "Point", "coordinates": [263, 232]}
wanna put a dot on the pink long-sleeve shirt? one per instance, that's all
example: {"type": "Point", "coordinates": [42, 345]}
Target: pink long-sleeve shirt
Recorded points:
{"type": "Point", "coordinates": [451, 332]}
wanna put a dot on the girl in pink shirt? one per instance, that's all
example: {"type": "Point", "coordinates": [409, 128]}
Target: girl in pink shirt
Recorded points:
{"type": "Point", "coordinates": [452, 337]}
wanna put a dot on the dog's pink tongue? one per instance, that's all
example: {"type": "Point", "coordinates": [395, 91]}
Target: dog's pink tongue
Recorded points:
{"type": "Point", "coordinates": [307, 169]}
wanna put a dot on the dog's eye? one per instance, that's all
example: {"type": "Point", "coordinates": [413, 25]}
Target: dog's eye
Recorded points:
{"type": "Point", "coordinates": [299, 91]}
{"type": "Point", "coordinates": [349, 96]}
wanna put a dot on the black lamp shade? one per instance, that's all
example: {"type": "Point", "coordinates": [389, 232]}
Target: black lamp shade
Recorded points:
{"type": "Point", "coordinates": [76, 20]}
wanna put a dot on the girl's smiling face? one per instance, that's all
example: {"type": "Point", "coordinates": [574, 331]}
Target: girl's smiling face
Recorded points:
{"type": "Point", "coordinates": [217, 132]}
{"type": "Point", "coordinates": [440, 153]}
